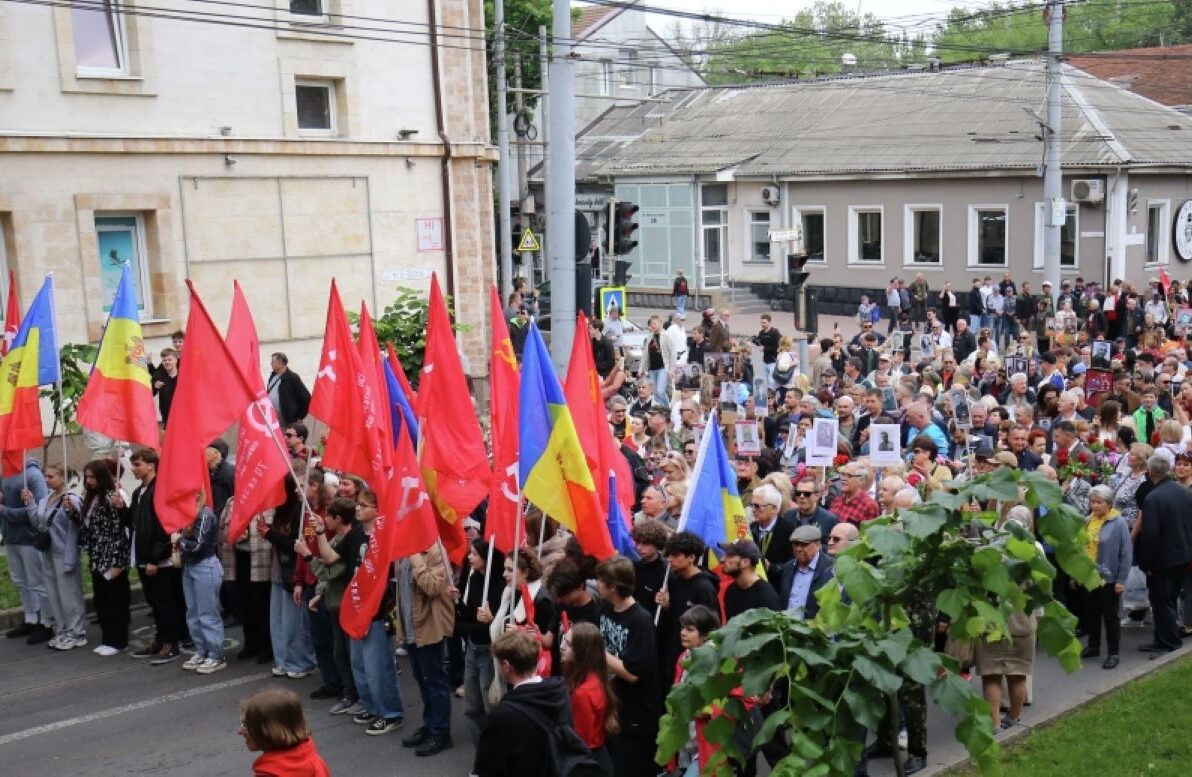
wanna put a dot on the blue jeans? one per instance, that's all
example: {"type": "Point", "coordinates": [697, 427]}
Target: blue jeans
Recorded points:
{"type": "Point", "coordinates": [975, 323]}
{"type": "Point", "coordinates": [681, 303]}
{"type": "Point", "coordinates": [288, 630]}
{"type": "Point", "coordinates": [322, 639]}
{"type": "Point", "coordinates": [375, 672]}
{"type": "Point", "coordinates": [659, 379]}
{"type": "Point", "coordinates": [200, 587]}
{"type": "Point", "coordinates": [478, 676]}
{"type": "Point", "coordinates": [431, 675]}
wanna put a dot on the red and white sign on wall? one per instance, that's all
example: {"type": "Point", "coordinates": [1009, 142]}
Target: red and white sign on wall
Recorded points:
{"type": "Point", "coordinates": [430, 233]}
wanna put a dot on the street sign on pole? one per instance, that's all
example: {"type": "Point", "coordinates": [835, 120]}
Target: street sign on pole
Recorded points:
{"type": "Point", "coordinates": [528, 242]}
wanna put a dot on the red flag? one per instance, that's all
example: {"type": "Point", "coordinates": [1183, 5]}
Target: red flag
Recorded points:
{"type": "Point", "coordinates": [1164, 281]}
{"type": "Point", "coordinates": [12, 314]}
{"type": "Point", "coordinates": [400, 373]}
{"type": "Point", "coordinates": [453, 458]}
{"type": "Point", "coordinates": [374, 375]}
{"type": "Point", "coordinates": [353, 420]}
{"type": "Point", "coordinates": [211, 395]}
{"type": "Point", "coordinates": [504, 495]}
{"type": "Point", "coordinates": [261, 465]}
{"type": "Point", "coordinates": [405, 525]}
{"type": "Point", "coordinates": [582, 390]}
{"type": "Point", "coordinates": [335, 335]}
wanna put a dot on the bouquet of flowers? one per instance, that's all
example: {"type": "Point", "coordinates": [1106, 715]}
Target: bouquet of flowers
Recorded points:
{"type": "Point", "coordinates": [1095, 465]}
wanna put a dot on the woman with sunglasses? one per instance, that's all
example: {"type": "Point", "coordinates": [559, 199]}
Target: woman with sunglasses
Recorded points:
{"type": "Point", "coordinates": [925, 473]}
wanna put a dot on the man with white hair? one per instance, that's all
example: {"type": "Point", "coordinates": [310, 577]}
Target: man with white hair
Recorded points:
{"type": "Point", "coordinates": [771, 532]}
{"type": "Point", "coordinates": [1020, 392]}
{"type": "Point", "coordinates": [887, 490]}
{"type": "Point", "coordinates": [842, 535]}
{"type": "Point", "coordinates": [906, 498]}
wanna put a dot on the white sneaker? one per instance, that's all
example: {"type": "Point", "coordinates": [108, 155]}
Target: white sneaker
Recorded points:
{"type": "Point", "coordinates": [401, 651]}
{"type": "Point", "coordinates": [212, 665]}
{"type": "Point", "coordinates": [107, 650]}
{"type": "Point", "coordinates": [194, 662]}
{"type": "Point", "coordinates": [300, 674]}
{"type": "Point", "coordinates": [55, 641]}
{"type": "Point", "coordinates": [277, 671]}
{"type": "Point", "coordinates": [79, 641]}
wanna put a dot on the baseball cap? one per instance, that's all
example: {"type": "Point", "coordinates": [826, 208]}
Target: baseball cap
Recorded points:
{"type": "Point", "coordinates": [1005, 459]}
{"type": "Point", "coordinates": [743, 549]}
{"type": "Point", "coordinates": [1079, 368]}
{"type": "Point", "coordinates": [806, 534]}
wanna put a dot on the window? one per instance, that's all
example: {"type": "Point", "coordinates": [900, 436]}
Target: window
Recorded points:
{"type": "Point", "coordinates": [606, 77]}
{"type": "Point", "coordinates": [987, 235]}
{"type": "Point", "coordinates": [1068, 236]}
{"type": "Point", "coordinates": [759, 236]}
{"type": "Point", "coordinates": [812, 222]}
{"type": "Point", "coordinates": [1156, 233]}
{"type": "Point", "coordinates": [1069, 232]}
{"type": "Point", "coordinates": [922, 234]}
{"type": "Point", "coordinates": [865, 235]}
{"type": "Point", "coordinates": [99, 38]}
{"type": "Point", "coordinates": [652, 74]}
{"type": "Point", "coordinates": [306, 7]}
{"type": "Point", "coordinates": [627, 69]}
{"type": "Point", "coordinates": [316, 105]}
{"type": "Point", "coordinates": [714, 231]}
{"type": "Point", "coordinates": [121, 241]}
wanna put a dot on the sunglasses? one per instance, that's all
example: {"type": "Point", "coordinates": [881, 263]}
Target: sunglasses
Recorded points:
{"type": "Point", "coordinates": [804, 493]}
{"type": "Point", "coordinates": [757, 505]}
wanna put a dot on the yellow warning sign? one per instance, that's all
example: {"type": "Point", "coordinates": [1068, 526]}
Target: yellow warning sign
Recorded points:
{"type": "Point", "coordinates": [528, 241]}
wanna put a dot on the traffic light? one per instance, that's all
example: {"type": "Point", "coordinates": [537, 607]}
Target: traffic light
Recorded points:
{"type": "Point", "coordinates": [621, 274]}
{"type": "Point", "coordinates": [795, 274]}
{"type": "Point", "coordinates": [624, 225]}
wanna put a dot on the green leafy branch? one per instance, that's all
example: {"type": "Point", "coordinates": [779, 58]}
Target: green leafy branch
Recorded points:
{"type": "Point", "coordinates": [836, 677]}
{"type": "Point", "coordinates": [403, 323]}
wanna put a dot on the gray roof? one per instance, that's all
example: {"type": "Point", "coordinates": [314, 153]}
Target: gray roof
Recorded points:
{"type": "Point", "coordinates": [961, 119]}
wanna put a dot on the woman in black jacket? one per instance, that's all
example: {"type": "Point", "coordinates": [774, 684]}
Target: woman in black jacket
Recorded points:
{"type": "Point", "coordinates": [289, 630]}
{"type": "Point", "coordinates": [473, 614]}
{"type": "Point", "coordinates": [108, 549]}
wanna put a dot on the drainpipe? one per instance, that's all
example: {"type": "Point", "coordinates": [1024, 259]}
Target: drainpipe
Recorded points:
{"type": "Point", "coordinates": [440, 126]}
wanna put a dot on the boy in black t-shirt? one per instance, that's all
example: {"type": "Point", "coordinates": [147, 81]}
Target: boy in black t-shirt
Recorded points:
{"type": "Point", "coordinates": [687, 586]}
{"type": "Point", "coordinates": [649, 537]}
{"type": "Point", "coordinates": [748, 591]}
{"type": "Point", "coordinates": [575, 603]}
{"type": "Point", "coordinates": [628, 634]}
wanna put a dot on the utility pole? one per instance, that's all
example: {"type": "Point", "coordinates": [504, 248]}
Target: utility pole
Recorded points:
{"type": "Point", "coordinates": [543, 123]}
{"type": "Point", "coordinates": [1053, 181]}
{"type": "Point", "coordinates": [560, 190]}
{"type": "Point", "coordinates": [505, 239]}
{"type": "Point", "coordinates": [523, 183]}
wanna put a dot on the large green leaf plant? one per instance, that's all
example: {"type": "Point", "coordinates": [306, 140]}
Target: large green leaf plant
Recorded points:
{"type": "Point", "coordinates": [840, 673]}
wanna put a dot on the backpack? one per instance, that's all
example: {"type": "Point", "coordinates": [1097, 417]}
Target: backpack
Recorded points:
{"type": "Point", "coordinates": [569, 755]}
{"type": "Point", "coordinates": [782, 377]}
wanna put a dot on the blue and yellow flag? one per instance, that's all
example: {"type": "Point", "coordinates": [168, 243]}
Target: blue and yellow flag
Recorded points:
{"type": "Point", "coordinates": [554, 473]}
{"type": "Point", "coordinates": [713, 510]}
{"type": "Point", "coordinates": [31, 362]}
{"type": "Point", "coordinates": [118, 400]}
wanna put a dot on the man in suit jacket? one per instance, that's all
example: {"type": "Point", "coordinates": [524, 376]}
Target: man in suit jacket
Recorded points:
{"type": "Point", "coordinates": [771, 532]}
{"type": "Point", "coordinates": [809, 571]}
{"type": "Point", "coordinates": [1163, 550]}
{"type": "Point", "coordinates": [808, 511]}
{"type": "Point", "coordinates": [287, 393]}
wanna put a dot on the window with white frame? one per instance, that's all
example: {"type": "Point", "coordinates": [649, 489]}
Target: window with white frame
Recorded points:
{"type": "Point", "coordinates": [306, 7]}
{"type": "Point", "coordinates": [759, 236]}
{"type": "Point", "coordinates": [987, 235]}
{"type": "Point", "coordinates": [99, 38]}
{"type": "Point", "coordinates": [121, 241]}
{"type": "Point", "coordinates": [1156, 232]}
{"type": "Point", "coordinates": [865, 235]}
{"type": "Point", "coordinates": [1069, 234]}
{"type": "Point", "coordinates": [606, 77]}
{"type": "Point", "coordinates": [316, 105]}
{"type": "Point", "coordinates": [627, 76]}
{"type": "Point", "coordinates": [923, 233]}
{"type": "Point", "coordinates": [812, 221]}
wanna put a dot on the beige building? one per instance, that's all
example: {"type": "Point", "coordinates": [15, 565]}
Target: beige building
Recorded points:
{"type": "Point", "coordinates": [289, 145]}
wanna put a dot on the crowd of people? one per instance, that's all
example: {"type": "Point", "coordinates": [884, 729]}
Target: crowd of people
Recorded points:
{"type": "Point", "coordinates": [551, 650]}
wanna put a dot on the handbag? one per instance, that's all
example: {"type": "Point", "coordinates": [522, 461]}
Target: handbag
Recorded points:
{"type": "Point", "coordinates": [42, 540]}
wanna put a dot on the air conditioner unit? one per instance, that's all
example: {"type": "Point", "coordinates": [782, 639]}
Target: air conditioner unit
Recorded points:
{"type": "Point", "coordinates": [770, 195]}
{"type": "Point", "coordinates": [1088, 190]}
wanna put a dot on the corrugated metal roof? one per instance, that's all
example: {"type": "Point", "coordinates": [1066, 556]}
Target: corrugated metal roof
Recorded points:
{"type": "Point", "coordinates": [958, 119]}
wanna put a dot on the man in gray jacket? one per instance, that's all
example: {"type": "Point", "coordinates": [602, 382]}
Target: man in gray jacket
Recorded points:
{"type": "Point", "coordinates": [26, 564]}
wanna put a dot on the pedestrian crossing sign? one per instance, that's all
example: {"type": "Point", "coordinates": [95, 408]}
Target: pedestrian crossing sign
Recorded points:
{"type": "Point", "coordinates": [528, 241]}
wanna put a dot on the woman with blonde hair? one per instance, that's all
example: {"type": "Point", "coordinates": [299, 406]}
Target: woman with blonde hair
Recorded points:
{"type": "Point", "coordinates": [782, 482]}
{"type": "Point", "coordinates": [272, 721]}
{"type": "Point", "coordinates": [674, 468]}
{"type": "Point", "coordinates": [675, 495]}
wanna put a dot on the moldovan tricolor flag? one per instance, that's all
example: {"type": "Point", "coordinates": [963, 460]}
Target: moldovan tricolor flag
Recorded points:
{"type": "Point", "coordinates": [118, 400]}
{"type": "Point", "coordinates": [713, 510]}
{"type": "Point", "coordinates": [261, 465]}
{"type": "Point", "coordinates": [210, 397]}
{"type": "Point", "coordinates": [554, 472]}
{"type": "Point", "coordinates": [504, 496]}
{"type": "Point", "coordinates": [454, 461]}
{"type": "Point", "coordinates": [31, 362]}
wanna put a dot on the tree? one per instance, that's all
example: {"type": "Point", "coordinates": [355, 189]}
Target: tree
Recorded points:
{"type": "Point", "coordinates": [841, 671]}
{"type": "Point", "coordinates": [522, 20]}
{"type": "Point", "coordinates": [75, 360]}
{"type": "Point", "coordinates": [812, 43]}
{"type": "Point", "coordinates": [403, 323]}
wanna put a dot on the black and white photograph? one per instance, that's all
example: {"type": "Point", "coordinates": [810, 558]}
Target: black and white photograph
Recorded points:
{"type": "Point", "coordinates": [748, 441]}
{"type": "Point", "coordinates": [885, 449]}
{"type": "Point", "coordinates": [1102, 350]}
{"type": "Point", "coordinates": [959, 400]}
{"type": "Point", "coordinates": [824, 432]}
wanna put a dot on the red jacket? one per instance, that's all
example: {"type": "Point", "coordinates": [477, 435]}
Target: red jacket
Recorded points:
{"type": "Point", "coordinates": [301, 760]}
{"type": "Point", "coordinates": [588, 709]}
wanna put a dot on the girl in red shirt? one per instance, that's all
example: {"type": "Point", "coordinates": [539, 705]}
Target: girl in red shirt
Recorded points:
{"type": "Point", "coordinates": [593, 705]}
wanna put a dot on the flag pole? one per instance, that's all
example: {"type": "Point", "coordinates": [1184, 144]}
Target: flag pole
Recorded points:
{"type": "Point", "coordinates": [488, 571]}
{"type": "Point", "coordinates": [284, 454]}
{"type": "Point", "coordinates": [516, 544]}
{"type": "Point", "coordinates": [62, 421]}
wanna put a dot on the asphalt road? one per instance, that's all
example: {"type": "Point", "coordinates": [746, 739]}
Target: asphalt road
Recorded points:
{"type": "Point", "coordinates": [75, 713]}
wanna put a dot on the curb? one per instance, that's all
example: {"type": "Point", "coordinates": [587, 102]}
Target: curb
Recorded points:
{"type": "Point", "coordinates": [13, 617]}
{"type": "Point", "coordinates": [1020, 733]}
